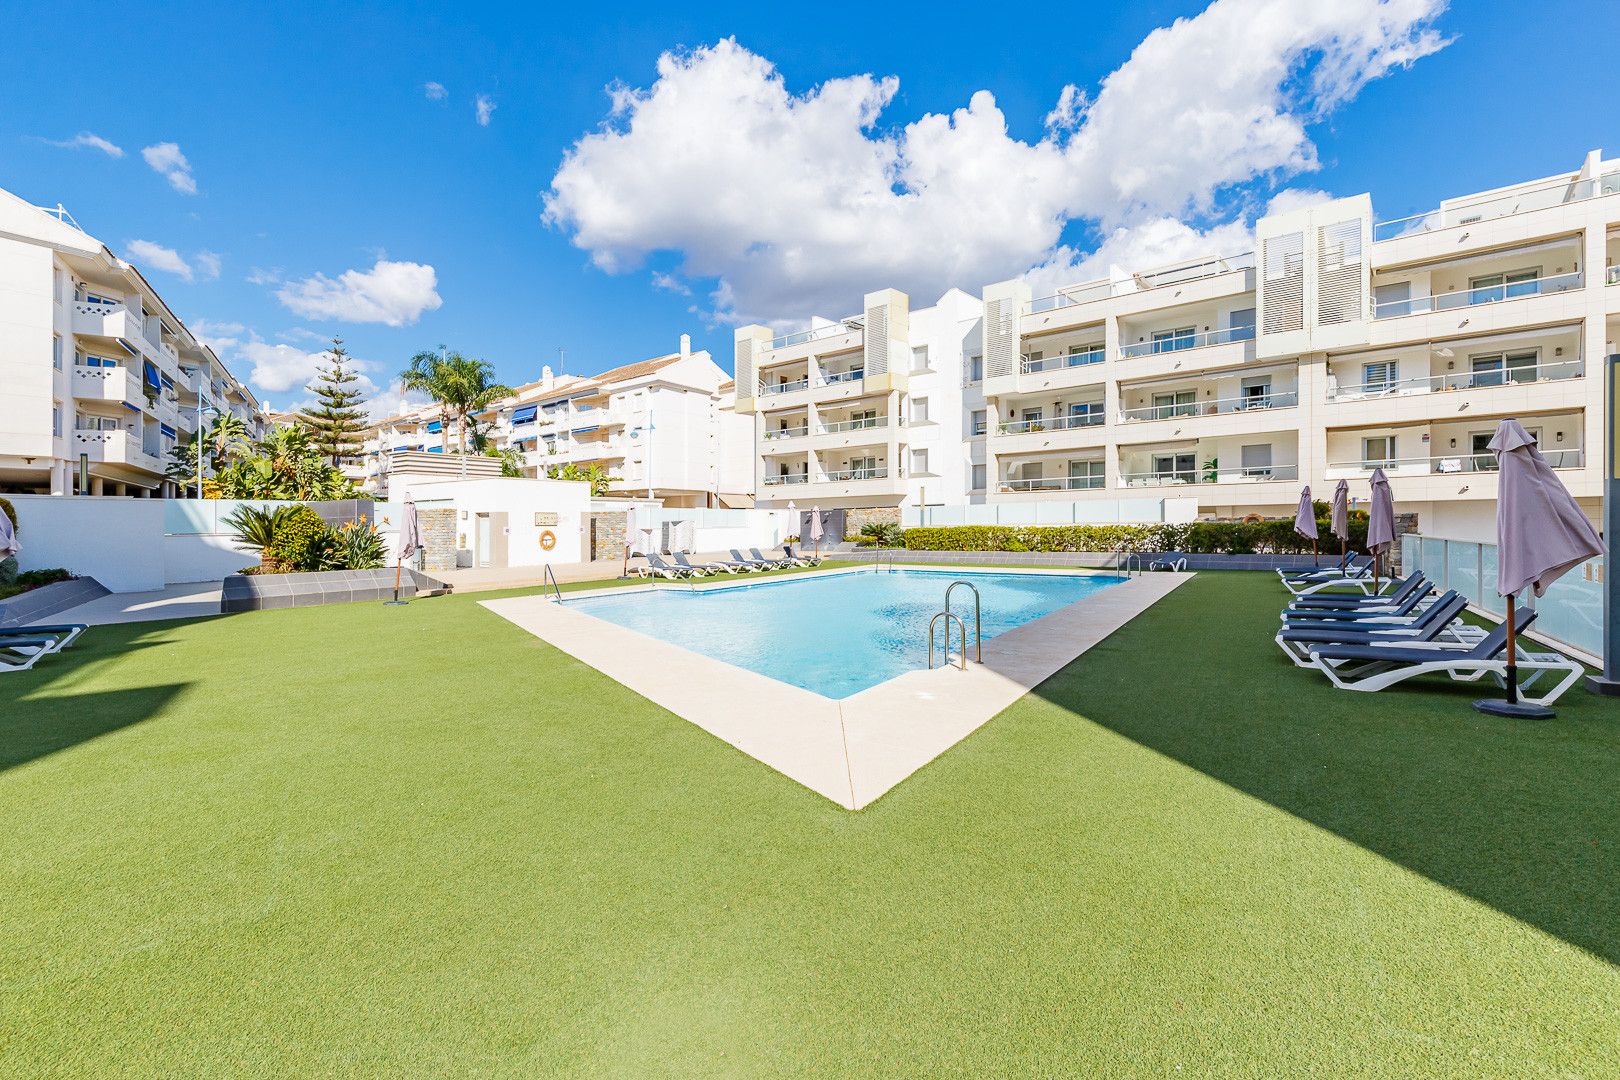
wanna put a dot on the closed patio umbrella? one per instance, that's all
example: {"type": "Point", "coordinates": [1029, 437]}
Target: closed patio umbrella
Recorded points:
{"type": "Point", "coordinates": [1380, 523]}
{"type": "Point", "coordinates": [1541, 534]}
{"type": "Point", "coordinates": [629, 531]}
{"type": "Point", "coordinates": [815, 529]}
{"type": "Point", "coordinates": [1340, 523]}
{"type": "Point", "coordinates": [1305, 520]}
{"type": "Point", "coordinates": [410, 538]}
{"type": "Point", "coordinates": [8, 537]}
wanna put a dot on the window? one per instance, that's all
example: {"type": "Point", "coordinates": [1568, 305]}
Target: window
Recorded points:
{"type": "Point", "coordinates": [1175, 468]}
{"type": "Point", "coordinates": [1240, 325]}
{"type": "Point", "coordinates": [975, 369]}
{"type": "Point", "coordinates": [978, 480]}
{"type": "Point", "coordinates": [93, 361]}
{"type": "Point", "coordinates": [1091, 353]}
{"type": "Point", "coordinates": [919, 410]}
{"type": "Point", "coordinates": [1392, 299]}
{"type": "Point", "coordinates": [1255, 393]}
{"type": "Point", "coordinates": [978, 421]}
{"type": "Point", "coordinates": [1378, 452]}
{"type": "Point", "coordinates": [1480, 443]}
{"type": "Point", "coordinates": [1256, 459]}
{"type": "Point", "coordinates": [1082, 413]}
{"type": "Point", "coordinates": [56, 352]}
{"type": "Point", "coordinates": [1086, 474]}
{"type": "Point", "coordinates": [1379, 377]}
{"type": "Point", "coordinates": [1493, 287]}
{"type": "Point", "coordinates": [1031, 420]}
{"type": "Point", "coordinates": [919, 358]}
{"type": "Point", "coordinates": [56, 421]}
{"type": "Point", "coordinates": [863, 468]}
{"type": "Point", "coordinates": [919, 462]}
{"type": "Point", "coordinates": [1498, 369]}
{"type": "Point", "coordinates": [1172, 340]}
{"type": "Point", "coordinates": [1175, 403]}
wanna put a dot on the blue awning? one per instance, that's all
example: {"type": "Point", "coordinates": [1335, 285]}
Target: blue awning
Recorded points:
{"type": "Point", "coordinates": [435, 449]}
{"type": "Point", "coordinates": [132, 408]}
{"type": "Point", "coordinates": [435, 426]}
{"type": "Point", "coordinates": [167, 430]}
{"type": "Point", "coordinates": [151, 372]}
{"type": "Point", "coordinates": [525, 415]}
{"type": "Point", "coordinates": [168, 383]}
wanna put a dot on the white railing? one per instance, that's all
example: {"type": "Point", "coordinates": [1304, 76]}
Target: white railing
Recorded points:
{"type": "Point", "coordinates": [840, 376]}
{"type": "Point", "coordinates": [1490, 294]}
{"type": "Point", "coordinates": [1524, 201]}
{"type": "Point", "coordinates": [1214, 407]}
{"type": "Point", "coordinates": [1055, 483]}
{"type": "Point", "coordinates": [98, 308]}
{"type": "Point", "coordinates": [1058, 361]}
{"type": "Point", "coordinates": [1446, 464]}
{"type": "Point", "coordinates": [1460, 380]}
{"type": "Point", "coordinates": [790, 478]}
{"type": "Point", "coordinates": [768, 389]}
{"type": "Point", "coordinates": [786, 433]}
{"type": "Point", "coordinates": [877, 472]}
{"type": "Point", "coordinates": [1176, 477]}
{"type": "Point", "coordinates": [799, 337]}
{"type": "Point", "coordinates": [1053, 423]}
{"type": "Point", "coordinates": [1187, 341]}
{"type": "Point", "coordinates": [862, 424]}
{"type": "Point", "coordinates": [1179, 274]}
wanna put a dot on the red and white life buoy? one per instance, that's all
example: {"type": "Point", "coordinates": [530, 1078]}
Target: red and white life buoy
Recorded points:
{"type": "Point", "coordinates": [548, 539]}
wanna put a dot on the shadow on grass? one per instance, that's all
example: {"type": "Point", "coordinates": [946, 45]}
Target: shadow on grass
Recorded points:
{"type": "Point", "coordinates": [1518, 815]}
{"type": "Point", "coordinates": [40, 726]}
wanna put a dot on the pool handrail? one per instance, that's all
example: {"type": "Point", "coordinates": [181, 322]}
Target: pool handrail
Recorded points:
{"type": "Point", "coordinates": [947, 616]}
{"type": "Point", "coordinates": [978, 624]}
{"type": "Point", "coordinates": [551, 579]}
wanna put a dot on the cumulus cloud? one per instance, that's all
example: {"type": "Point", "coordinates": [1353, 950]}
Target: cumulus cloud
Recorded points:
{"type": "Point", "coordinates": [260, 276]}
{"type": "Point", "coordinates": [391, 293]}
{"type": "Point", "coordinates": [279, 368]}
{"type": "Point", "coordinates": [670, 283]}
{"type": "Point", "coordinates": [434, 91]}
{"type": "Point", "coordinates": [208, 264]}
{"type": "Point", "coordinates": [483, 109]}
{"type": "Point", "coordinates": [89, 140]}
{"type": "Point", "coordinates": [168, 162]}
{"type": "Point", "coordinates": [157, 257]}
{"type": "Point", "coordinates": [796, 203]}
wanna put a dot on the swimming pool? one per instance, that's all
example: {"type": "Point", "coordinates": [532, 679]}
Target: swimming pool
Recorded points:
{"type": "Point", "coordinates": [836, 635]}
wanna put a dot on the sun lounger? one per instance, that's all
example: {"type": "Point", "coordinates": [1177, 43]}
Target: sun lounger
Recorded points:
{"type": "Point", "coordinates": [1349, 568]}
{"type": "Point", "coordinates": [780, 564]}
{"type": "Point", "coordinates": [684, 563]}
{"type": "Point", "coordinates": [22, 648]}
{"type": "Point", "coordinates": [1439, 620]}
{"type": "Point", "coordinates": [801, 559]}
{"type": "Point", "coordinates": [757, 564]}
{"type": "Point", "coordinates": [63, 633]}
{"type": "Point", "coordinates": [1414, 582]}
{"type": "Point", "coordinates": [1406, 607]}
{"type": "Point", "coordinates": [659, 568]}
{"type": "Point", "coordinates": [1375, 667]}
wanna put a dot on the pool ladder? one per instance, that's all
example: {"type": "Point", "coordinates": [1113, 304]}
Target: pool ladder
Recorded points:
{"type": "Point", "coordinates": [877, 560]}
{"type": "Point", "coordinates": [551, 580]}
{"type": "Point", "coordinates": [1123, 560]}
{"type": "Point", "coordinates": [949, 616]}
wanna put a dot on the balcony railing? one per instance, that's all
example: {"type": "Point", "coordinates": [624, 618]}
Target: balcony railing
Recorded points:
{"type": "Point", "coordinates": [1052, 423]}
{"type": "Point", "coordinates": [1444, 465]}
{"type": "Point", "coordinates": [1460, 380]}
{"type": "Point", "coordinates": [840, 376]}
{"type": "Point", "coordinates": [1613, 276]}
{"type": "Point", "coordinates": [878, 472]}
{"type": "Point", "coordinates": [786, 433]}
{"type": "Point", "coordinates": [768, 389]}
{"type": "Point", "coordinates": [1213, 407]}
{"type": "Point", "coordinates": [790, 478]}
{"type": "Point", "coordinates": [1187, 341]}
{"type": "Point", "coordinates": [1064, 360]}
{"type": "Point", "coordinates": [1153, 279]}
{"type": "Point", "coordinates": [861, 424]}
{"type": "Point", "coordinates": [1518, 202]}
{"type": "Point", "coordinates": [1465, 298]}
{"type": "Point", "coordinates": [1175, 477]}
{"type": "Point", "coordinates": [799, 337]}
{"type": "Point", "coordinates": [1055, 483]}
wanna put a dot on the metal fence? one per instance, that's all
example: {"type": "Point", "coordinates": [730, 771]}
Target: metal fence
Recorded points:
{"type": "Point", "coordinates": [1570, 614]}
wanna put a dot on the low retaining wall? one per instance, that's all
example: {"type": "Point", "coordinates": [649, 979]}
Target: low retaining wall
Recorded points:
{"type": "Point", "coordinates": [1093, 560]}
{"type": "Point", "coordinates": [258, 592]}
{"type": "Point", "coordinates": [38, 605]}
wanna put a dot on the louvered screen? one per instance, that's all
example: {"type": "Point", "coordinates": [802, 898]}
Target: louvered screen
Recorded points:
{"type": "Point", "coordinates": [1282, 292]}
{"type": "Point", "coordinates": [1340, 276]}
{"type": "Point", "coordinates": [877, 341]}
{"type": "Point", "coordinates": [1000, 338]}
{"type": "Point", "coordinates": [744, 361]}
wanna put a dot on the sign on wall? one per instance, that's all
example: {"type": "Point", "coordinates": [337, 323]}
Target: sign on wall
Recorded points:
{"type": "Point", "coordinates": [545, 517]}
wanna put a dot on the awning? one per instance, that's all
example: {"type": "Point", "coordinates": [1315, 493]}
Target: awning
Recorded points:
{"type": "Point", "coordinates": [435, 449]}
{"type": "Point", "coordinates": [168, 383]}
{"type": "Point", "coordinates": [131, 408]}
{"type": "Point", "coordinates": [151, 372]}
{"type": "Point", "coordinates": [525, 415]}
{"type": "Point", "coordinates": [435, 426]}
{"type": "Point", "coordinates": [167, 430]}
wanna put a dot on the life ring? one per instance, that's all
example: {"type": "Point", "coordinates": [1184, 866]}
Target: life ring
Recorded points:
{"type": "Point", "coordinates": [548, 539]}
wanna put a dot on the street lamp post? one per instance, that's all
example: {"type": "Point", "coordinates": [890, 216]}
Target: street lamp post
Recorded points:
{"type": "Point", "coordinates": [202, 407]}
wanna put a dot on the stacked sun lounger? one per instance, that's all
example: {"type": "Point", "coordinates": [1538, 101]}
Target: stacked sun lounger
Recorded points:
{"type": "Point", "coordinates": [22, 648]}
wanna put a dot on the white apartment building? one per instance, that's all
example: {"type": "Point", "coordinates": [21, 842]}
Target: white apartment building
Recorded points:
{"type": "Point", "coordinates": [867, 411]}
{"type": "Point", "coordinates": [1346, 343]}
{"type": "Point", "coordinates": [658, 427]}
{"type": "Point", "coordinates": [99, 379]}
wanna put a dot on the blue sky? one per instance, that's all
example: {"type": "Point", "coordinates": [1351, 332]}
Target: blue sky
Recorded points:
{"type": "Point", "coordinates": [315, 151]}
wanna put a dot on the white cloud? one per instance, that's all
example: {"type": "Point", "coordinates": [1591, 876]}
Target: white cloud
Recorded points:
{"type": "Point", "coordinates": [434, 91]}
{"type": "Point", "coordinates": [483, 109]}
{"type": "Point", "coordinates": [208, 264]}
{"type": "Point", "coordinates": [89, 140]}
{"type": "Point", "coordinates": [794, 204]}
{"type": "Point", "coordinates": [259, 276]}
{"type": "Point", "coordinates": [157, 257]}
{"type": "Point", "coordinates": [281, 369]}
{"type": "Point", "coordinates": [670, 283]}
{"type": "Point", "coordinates": [391, 293]}
{"type": "Point", "coordinates": [168, 162]}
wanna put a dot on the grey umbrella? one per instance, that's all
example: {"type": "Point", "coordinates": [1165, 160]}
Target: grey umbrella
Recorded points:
{"type": "Point", "coordinates": [1341, 518]}
{"type": "Point", "coordinates": [1380, 523]}
{"type": "Point", "coordinates": [1541, 534]}
{"type": "Point", "coordinates": [8, 537]}
{"type": "Point", "coordinates": [1305, 520]}
{"type": "Point", "coordinates": [815, 529]}
{"type": "Point", "coordinates": [410, 538]}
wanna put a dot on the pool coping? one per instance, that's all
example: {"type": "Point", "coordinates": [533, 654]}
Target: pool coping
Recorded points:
{"type": "Point", "coordinates": [850, 750]}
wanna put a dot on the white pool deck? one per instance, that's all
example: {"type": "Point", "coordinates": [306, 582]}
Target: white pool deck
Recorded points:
{"type": "Point", "coordinates": [853, 750]}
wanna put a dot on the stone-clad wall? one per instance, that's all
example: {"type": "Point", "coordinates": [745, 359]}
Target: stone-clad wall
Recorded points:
{"type": "Point", "coordinates": [610, 534]}
{"type": "Point", "coordinates": [855, 519]}
{"type": "Point", "coordinates": [438, 538]}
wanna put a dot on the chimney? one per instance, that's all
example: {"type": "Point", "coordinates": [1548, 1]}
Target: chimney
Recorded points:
{"type": "Point", "coordinates": [686, 346]}
{"type": "Point", "coordinates": [546, 377]}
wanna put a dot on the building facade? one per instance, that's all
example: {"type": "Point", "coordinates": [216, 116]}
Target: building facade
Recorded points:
{"type": "Point", "coordinates": [99, 379]}
{"type": "Point", "coordinates": [1344, 343]}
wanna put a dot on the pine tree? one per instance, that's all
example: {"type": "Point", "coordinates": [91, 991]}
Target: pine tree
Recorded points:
{"type": "Point", "coordinates": [336, 419]}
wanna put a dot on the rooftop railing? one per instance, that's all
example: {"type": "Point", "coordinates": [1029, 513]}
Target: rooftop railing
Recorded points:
{"type": "Point", "coordinates": [1179, 342]}
{"type": "Point", "coordinates": [1460, 380]}
{"type": "Point", "coordinates": [1094, 355]}
{"type": "Point", "coordinates": [815, 333]}
{"type": "Point", "coordinates": [1213, 407]}
{"type": "Point", "coordinates": [1489, 294]}
{"type": "Point", "coordinates": [1523, 201]}
{"type": "Point", "coordinates": [1052, 423]}
{"type": "Point", "coordinates": [1153, 279]}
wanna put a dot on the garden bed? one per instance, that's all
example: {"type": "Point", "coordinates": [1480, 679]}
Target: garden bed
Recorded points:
{"type": "Point", "coordinates": [257, 592]}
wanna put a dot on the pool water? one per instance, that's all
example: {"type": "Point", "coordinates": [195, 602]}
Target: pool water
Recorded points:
{"type": "Point", "coordinates": [840, 634]}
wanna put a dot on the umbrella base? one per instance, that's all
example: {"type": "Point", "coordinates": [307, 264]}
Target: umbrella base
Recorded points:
{"type": "Point", "coordinates": [1518, 709]}
{"type": "Point", "coordinates": [1603, 687]}
{"type": "Point", "coordinates": [395, 603]}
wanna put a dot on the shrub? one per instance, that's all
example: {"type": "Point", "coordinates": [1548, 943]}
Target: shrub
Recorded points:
{"type": "Point", "coordinates": [356, 546]}
{"type": "Point", "coordinates": [33, 579]}
{"type": "Point", "coordinates": [301, 540]}
{"type": "Point", "coordinates": [883, 533]}
{"type": "Point", "coordinates": [1046, 538]}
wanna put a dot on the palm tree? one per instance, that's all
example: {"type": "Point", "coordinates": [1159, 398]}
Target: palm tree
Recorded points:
{"type": "Point", "coordinates": [227, 438]}
{"type": "Point", "coordinates": [462, 385]}
{"type": "Point", "coordinates": [430, 373]}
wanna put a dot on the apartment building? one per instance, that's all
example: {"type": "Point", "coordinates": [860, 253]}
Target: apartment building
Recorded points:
{"type": "Point", "coordinates": [658, 427]}
{"type": "Point", "coordinates": [99, 379]}
{"type": "Point", "coordinates": [872, 410]}
{"type": "Point", "coordinates": [1345, 343]}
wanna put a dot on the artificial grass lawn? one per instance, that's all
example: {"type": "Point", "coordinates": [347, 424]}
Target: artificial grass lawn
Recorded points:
{"type": "Point", "coordinates": [418, 841]}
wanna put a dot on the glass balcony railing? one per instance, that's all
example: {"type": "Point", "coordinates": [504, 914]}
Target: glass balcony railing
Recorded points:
{"type": "Point", "coordinates": [878, 472]}
{"type": "Point", "coordinates": [1212, 407]}
{"type": "Point", "coordinates": [1445, 464]}
{"type": "Point", "coordinates": [1052, 423]}
{"type": "Point", "coordinates": [1058, 362]}
{"type": "Point", "coordinates": [832, 377]}
{"type": "Point", "coordinates": [786, 433]}
{"type": "Point", "coordinates": [1179, 274]}
{"type": "Point", "coordinates": [799, 337]}
{"type": "Point", "coordinates": [862, 424]}
{"type": "Point", "coordinates": [1489, 294]}
{"type": "Point", "coordinates": [1176, 342]}
{"type": "Point", "coordinates": [770, 389]}
{"type": "Point", "coordinates": [1522, 201]}
{"type": "Point", "coordinates": [1054, 483]}
{"type": "Point", "coordinates": [1460, 380]}
{"type": "Point", "coordinates": [1175, 477]}
{"type": "Point", "coordinates": [787, 479]}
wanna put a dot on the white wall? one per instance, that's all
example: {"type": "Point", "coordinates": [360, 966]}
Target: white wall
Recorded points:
{"type": "Point", "coordinates": [519, 499]}
{"type": "Point", "coordinates": [117, 541]}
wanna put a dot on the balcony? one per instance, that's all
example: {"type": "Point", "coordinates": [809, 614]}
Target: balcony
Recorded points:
{"type": "Point", "coordinates": [1179, 274]}
{"type": "Point", "coordinates": [1180, 477]}
{"type": "Point", "coordinates": [773, 389]}
{"type": "Point", "coordinates": [1466, 298]}
{"type": "Point", "coordinates": [1095, 355]}
{"type": "Point", "coordinates": [114, 384]}
{"type": "Point", "coordinates": [1443, 466]}
{"type": "Point", "coordinates": [1214, 407]}
{"type": "Point", "coordinates": [106, 319]}
{"type": "Point", "coordinates": [1053, 423]}
{"type": "Point", "coordinates": [786, 480]}
{"type": "Point", "coordinates": [1055, 483]}
{"type": "Point", "coordinates": [115, 448]}
{"type": "Point", "coordinates": [1523, 201]}
{"type": "Point", "coordinates": [781, 434]}
{"type": "Point", "coordinates": [833, 378]}
{"type": "Point", "coordinates": [1525, 375]}
{"type": "Point", "coordinates": [815, 333]}
{"type": "Point", "coordinates": [875, 472]}
{"type": "Point", "coordinates": [1179, 342]}
{"type": "Point", "coordinates": [865, 423]}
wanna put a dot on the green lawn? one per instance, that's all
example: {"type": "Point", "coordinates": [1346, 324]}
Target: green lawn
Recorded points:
{"type": "Point", "coordinates": [417, 841]}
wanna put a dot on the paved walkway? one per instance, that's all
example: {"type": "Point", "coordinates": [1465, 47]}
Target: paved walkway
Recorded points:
{"type": "Point", "coordinates": [486, 578]}
{"type": "Point", "coordinates": [173, 602]}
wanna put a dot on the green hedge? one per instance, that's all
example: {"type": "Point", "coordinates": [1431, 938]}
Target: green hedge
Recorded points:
{"type": "Point", "coordinates": [1274, 536]}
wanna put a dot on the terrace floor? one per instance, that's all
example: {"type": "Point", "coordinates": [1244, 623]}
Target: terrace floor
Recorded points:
{"type": "Point", "coordinates": [362, 840]}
